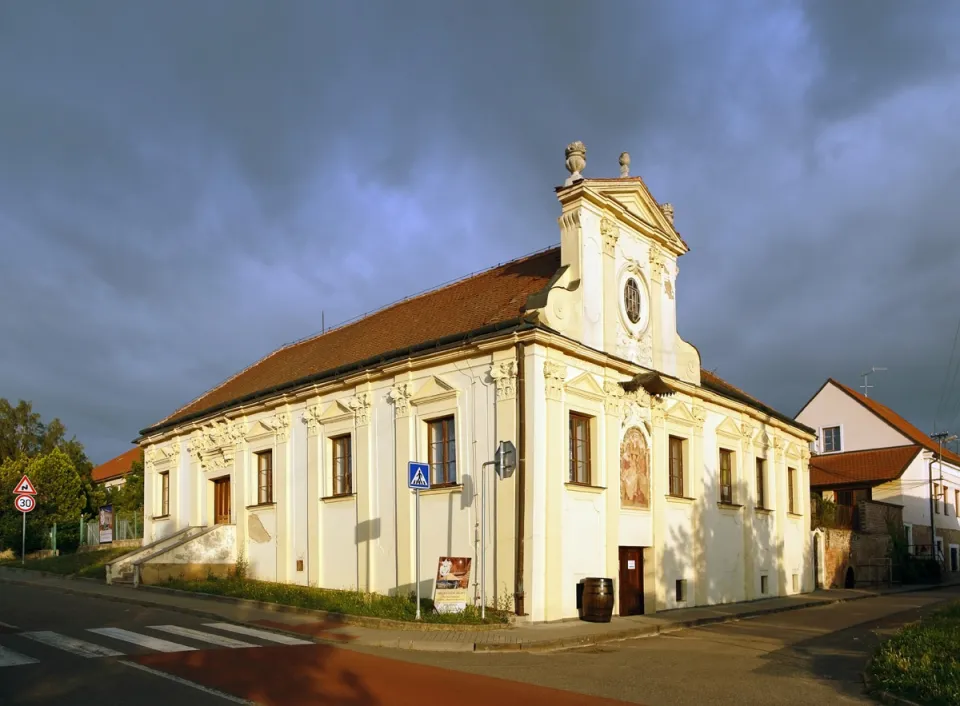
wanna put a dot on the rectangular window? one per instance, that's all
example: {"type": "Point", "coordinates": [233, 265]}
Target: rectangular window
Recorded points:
{"type": "Point", "coordinates": [579, 449]}
{"type": "Point", "coordinates": [956, 503]}
{"type": "Point", "coordinates": [265, 477]}
{"type": "Point", "coordinates": [908, 535]}
{"type": "Point", "coordinates": [763, 585]}
{"type": "Point", "coordinates": [164, 493]}
{"type": "Point", "coordinates": [342, 465]}
{"type": "Point", "coordinates": [761, 483]}
{"type": "Point", "coordinates": [936, 498]}
{"type": "Point", "coordinates": [676, 466]}
{"type": "Point", "coordinates": [681, 590]}
{"type": "Point", "coordinates": [442, 451]}
{"type": "Point", "coordinates": [796, 583]}
{"type": "Point", "coordinates": [791, 490]}
{"type": "Point", "coordinates": [831, 439]}
{"type": "Point", "coordinates": [726, 476]}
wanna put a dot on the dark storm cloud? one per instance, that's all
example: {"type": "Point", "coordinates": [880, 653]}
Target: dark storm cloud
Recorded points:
{"type": "Point", "coordinates": [184, 187]}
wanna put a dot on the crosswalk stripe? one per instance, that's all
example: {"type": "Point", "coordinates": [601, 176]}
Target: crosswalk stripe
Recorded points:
{"type": "Point", "coordinates": [153, 643]}
{"type": "Point", "coordinates": [262, 634]}
{"type": "Point", "coordinates": [220, 640]}
{"type": "Point", "coordinates": [70, 644]}
{"type": "Point", "coordinates": [9, 658]}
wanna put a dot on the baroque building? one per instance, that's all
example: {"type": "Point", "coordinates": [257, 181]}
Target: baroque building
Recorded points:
{"type": "Point", "coordinates": [633, 462]}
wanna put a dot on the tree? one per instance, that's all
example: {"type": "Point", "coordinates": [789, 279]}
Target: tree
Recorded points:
{"type": "Point", "coordinates": [60, 495]}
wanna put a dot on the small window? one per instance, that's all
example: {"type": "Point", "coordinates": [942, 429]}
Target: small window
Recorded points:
{"type": "Point", "coordinates": [265, 477]}
{"type": "Point", "coordinates": [164, 493]}
{"type": "Point", "coordinates": [726, 476]}
{"type": "Point", "coordinates": [956, 503]}
{"type": "Point", "coordinates": [761, 483]}
{"type": "Point", "coordinates": [791, 490]}
{"type": "Point", "coordinates": [796, 583]}
{"type": "Point", "coordinates": [831, 439]}
{"type": "Point", "coordinates": [676, 466]}
{"type": "Point", "coordinates": [342, 465]}
{"type": "Point", "coordinates": [442, 451]}
{"type": "Point", "coordinates": [579, 449]}
{"type": "Point", "coordinates": [631, 300]}
{"type": "Point", "coordinates": [936, 498]}
{"type": "Point", "coordinates": [908, 537]}
{"type": "Point", "coordinates": [681, 589]}
{"type": "Point", "coordinates": [763, 585]}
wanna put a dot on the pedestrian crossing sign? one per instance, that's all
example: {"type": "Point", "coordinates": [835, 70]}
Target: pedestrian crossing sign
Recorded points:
{"type": "Point", "coordinates": [418, 476]}
{"type": "Point", "coordinates": [24, 487]}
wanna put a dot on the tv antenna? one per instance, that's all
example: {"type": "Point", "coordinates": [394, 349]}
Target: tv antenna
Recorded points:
{"type": "Point", "coordinates": [866, 386]}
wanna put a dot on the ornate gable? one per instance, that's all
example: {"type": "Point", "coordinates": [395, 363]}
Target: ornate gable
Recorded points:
{"type": "Point", "coordinates": [585, 386]}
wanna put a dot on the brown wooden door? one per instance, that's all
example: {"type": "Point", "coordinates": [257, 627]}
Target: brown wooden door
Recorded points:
{"type": "Point", "coordinates": [631, 581]}
{"type": "Point", "coordinates": [221, 501]}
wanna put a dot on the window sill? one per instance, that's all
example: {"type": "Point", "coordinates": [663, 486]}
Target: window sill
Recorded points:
{"type": "Point", "coordinates": [681, 499]}
{"type": "Point", "coordinates": [584, 488]}
{"type": "Point", "coordinates": [344, 497]}
{"type": "Point", "coordinates": [795, 515]}
{"type": "Point", "coordinates": [261, 506]}
{"type": "Point", "coordinates": [763, 510]}
{"type": "Point", "coordinates": [443, 489]}
{"type": "Point", "coordinates": [161, 517]}
{"type": "Point", "coordinates": [732, 507]}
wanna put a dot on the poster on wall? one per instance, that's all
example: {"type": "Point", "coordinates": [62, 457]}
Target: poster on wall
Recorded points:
{"type": "Point", "coordinates": [106, 524]}
{"type": "Point", "coordinates": [453, 581]}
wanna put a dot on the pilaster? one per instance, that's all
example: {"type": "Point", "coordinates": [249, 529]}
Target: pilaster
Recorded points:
{"type": "Point", "coordinates": [659, 488]}
{"type": "Point", "coordinates": [613, 411]}
{"type": "Point", "coordinates": [554, 374]}
{"type": "Point", "coordinates": [283, 486]}
{"type": "Point", "coordinates": [367, 529]}
{"type": "Point", "coordinates": [504, 375]}
{"type": "Point", "coordinates": [750, 502]}
{"type": "Point", "coordinates": [699, 505]}
{"type": "Point", "coordinates": [399, 396]}
{"type": "Point", "coordinates": [311, 416]}
{"type": "Point", "coordinates": [654, 333]}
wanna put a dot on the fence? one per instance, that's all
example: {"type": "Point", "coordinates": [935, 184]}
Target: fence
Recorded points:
{"type": "Point", "coordinates": [126, 525]}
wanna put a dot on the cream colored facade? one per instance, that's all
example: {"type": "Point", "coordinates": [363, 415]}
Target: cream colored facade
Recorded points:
{"type": "Point", "coordinates": [580, 358]}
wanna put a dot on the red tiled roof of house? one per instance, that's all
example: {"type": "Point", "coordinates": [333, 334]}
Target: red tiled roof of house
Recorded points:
{"type": "Point", "coordinates": [897, 422]}
{"type": "Point", "coordinates": [717, 384]}
{"type": "Point", "coordinates": [871, 467]}
{"type": "Point", "coordinates": [495, 296]}
{"type": "Point", "coordinates": [116, 467]}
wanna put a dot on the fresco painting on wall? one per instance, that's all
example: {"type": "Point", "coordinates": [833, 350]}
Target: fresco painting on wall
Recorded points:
{"type": "Point", "coordinates": [634, 470]}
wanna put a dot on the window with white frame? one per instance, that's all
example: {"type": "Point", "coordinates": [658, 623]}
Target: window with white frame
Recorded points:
{"type": "Point", "coordinates": [831, 439]}
{"type": "Point", "coordinates": [342, 465]}
{"type": "Point", "coordinates": [164, 493]}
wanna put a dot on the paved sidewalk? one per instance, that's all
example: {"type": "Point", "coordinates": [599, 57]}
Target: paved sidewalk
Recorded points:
{"type": "Point", "coordinates": [529, 637]}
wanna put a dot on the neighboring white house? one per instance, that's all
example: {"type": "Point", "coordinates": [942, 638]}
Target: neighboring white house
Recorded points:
{"type": "Point", "coordinates": [114, 472]}
{"type": "Point", "coordinates": [634, 464]}
{"type": "Point", "coordinates": [866, 450]}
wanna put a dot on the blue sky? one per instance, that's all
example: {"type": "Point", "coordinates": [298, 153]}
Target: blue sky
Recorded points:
{"type": "Point", "coordinates": [185, 187]}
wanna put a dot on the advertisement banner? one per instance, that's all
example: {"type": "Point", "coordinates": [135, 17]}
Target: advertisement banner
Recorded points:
{"type": "Point", "coordinates": [106, 524]}
{"type": "Point", "coordinates": [453, 581]}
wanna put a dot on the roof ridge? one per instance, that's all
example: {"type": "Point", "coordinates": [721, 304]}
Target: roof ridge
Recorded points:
{"type": "Point", "coordinates": [872, 449]}
{"type": "Point", "coordinates": [351, 322]}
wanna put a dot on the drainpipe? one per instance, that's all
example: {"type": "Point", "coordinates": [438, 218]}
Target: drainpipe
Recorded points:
{"type": "Point", "coordinates": [518, 594]}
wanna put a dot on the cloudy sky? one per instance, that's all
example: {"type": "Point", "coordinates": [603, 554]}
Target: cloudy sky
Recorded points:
{"type": "Point", "coordinates": [185, 186]}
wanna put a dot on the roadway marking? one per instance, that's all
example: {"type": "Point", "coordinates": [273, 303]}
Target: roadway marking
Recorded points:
{"type": "Point", "coordinates": [220, 640]}
{"type": "Point", "coordinates": [8, 625]}
{"type": "Point", "coordinates": [153, 643]}
{"type": "Point", "coordinates": [70, 644]}
{"type": "Point", "coordinates": [262, 634]}
{"type": "Point", "coordinates": [9, 658]}
{"type": "Point", "coordinates": [187, 682]}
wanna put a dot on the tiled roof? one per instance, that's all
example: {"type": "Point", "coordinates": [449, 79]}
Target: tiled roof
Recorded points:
{"type": "Point", "coordinates": [495, 296]}
{"type": "Point", "coordinates": [720, 386]}
{"type": "Point", "coordinates": [870, 467]}
{"type": "Point", "coordinates": [897, 422]}
{"type": "Point", "coordinates": [116, 467]}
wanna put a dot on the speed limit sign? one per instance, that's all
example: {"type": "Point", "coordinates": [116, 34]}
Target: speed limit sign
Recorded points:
{"type": "Point", "coordinates": [25, 503]}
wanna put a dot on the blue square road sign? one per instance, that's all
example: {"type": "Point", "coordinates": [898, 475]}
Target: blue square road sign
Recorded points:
{"type": "Point", "coordinates": [418, 476]}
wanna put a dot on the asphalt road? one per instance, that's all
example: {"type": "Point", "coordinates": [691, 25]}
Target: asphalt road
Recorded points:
{"type": "Point", "coordinates": [806, 656]}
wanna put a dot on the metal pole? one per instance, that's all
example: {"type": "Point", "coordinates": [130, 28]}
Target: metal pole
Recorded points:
{"type": "Point", "coordinates": [417, 491]}
{"type": "Point", "coordinates": [23, 546]}
{"type": "Point", "coordinates": [483, 544]}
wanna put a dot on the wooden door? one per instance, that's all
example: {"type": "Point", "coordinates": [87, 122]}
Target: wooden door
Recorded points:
{"type": "Point", "coordinates": [631, 581]}
{"type": "Point", "coordinates": [221, 501]}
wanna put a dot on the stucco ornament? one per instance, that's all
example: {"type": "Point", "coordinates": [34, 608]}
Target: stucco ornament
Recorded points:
{"type": "Point", "coordinates": [279, 423]}
{"type": "Point", "coordinates": [611, 233]}
{"type": "Point", "coordinates": [400, 395]}
{"type": "Point", "coordinates": [668, 288]}
{"type": "Point", "coordinates": [746, 432]}
{"type": "Point", "coordinates": [624, 165]}
{"type": "Point", "coordinates": [360, 404]}
{"type": "Point", "coordinates": [214, 444]}
{"type": "Point", "coordinates": [805, 453]}
{"type": "Point", "coordinates": [699, 414]}
{"type": "Point", "coordinates": [657, 262]}
{"type": "Point", "coordinates": [554, 374]}
{"type": "Point", "coordinates": [504, 375]}
{"type": "Point", "coordinates": [658, 410]}
{"type": "Point", "coordinates": [634, 470]}
{"type": "Point", "coordinates": [576, 154]}
{"type": "Point", "coordinates": [667, 210]}
{"type": "Point", "coordinates": [614, 397]}
{"type": "Point", "coordinates": [311, 417]}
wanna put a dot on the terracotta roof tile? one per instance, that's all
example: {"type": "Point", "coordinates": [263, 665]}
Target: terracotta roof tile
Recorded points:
{"type": "Point", "coordinates": [494, 296]}
{"type": "Point", "coordinates": [116, 467]}
{"type": "Point", "coordinates": [871, 467]}
{"type": "Point", "coordinates": [721, 386]}
{"type": "Point", "coordinates": [897, 422]}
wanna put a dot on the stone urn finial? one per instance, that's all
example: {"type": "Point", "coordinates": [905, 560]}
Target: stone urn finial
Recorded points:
{"type": "Point", "coordinates": [624, 164]}
{"type": "Point", "coordinates": [576, 154]}
{"type": "Point", "coordinates": [667, 209]}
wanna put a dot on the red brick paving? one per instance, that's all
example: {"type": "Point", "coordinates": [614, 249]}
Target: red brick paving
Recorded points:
{"type": "Point", "coordinates": [322, 674]}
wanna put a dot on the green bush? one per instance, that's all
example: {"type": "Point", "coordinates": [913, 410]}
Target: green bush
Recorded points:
{"type": "Point", "coordinates": [922, 662]}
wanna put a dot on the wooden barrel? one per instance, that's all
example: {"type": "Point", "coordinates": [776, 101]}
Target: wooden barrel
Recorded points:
{"type": "Point", "coordinates": [597, 600]}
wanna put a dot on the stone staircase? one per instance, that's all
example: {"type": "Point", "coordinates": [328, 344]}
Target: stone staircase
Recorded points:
{"type": "Point", "coordinates": [123, 570]}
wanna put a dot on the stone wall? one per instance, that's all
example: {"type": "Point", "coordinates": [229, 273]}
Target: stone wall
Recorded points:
{"type": "Point", "coordinates": [865, 551]}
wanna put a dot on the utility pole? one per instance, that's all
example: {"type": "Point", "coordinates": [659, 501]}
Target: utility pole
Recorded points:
{"type": "Point", "coordinates": [940, 436]}
{"type": "Point", "coordinates": [866, 387]}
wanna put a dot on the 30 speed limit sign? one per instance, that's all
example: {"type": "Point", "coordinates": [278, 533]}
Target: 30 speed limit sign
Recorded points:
{"type": "Point", "coordinates": [25, 503]}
